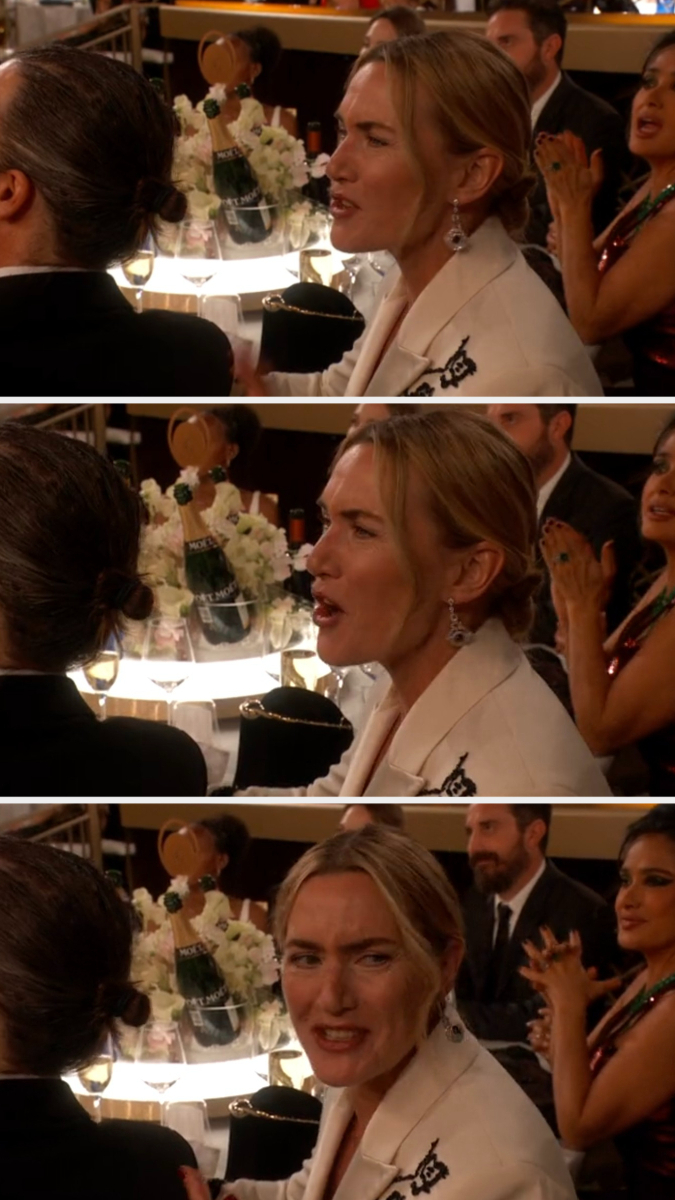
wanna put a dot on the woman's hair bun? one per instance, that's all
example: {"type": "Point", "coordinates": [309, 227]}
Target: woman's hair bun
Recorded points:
{"type": "Point", "coordinates": [127, 594]}
{"type": "Point", "coordinates": [154, 196]}
{"type": "Point", "coordinates": [127, 1003]}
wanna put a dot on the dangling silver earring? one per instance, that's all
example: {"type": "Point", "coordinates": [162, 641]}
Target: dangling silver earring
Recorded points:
{"type": "Point", "coordinates": [458, 634]}
{"type": "Point", "coordinates": [456, 239]}
{"type": "Point", "coordinates": [452, 1031]}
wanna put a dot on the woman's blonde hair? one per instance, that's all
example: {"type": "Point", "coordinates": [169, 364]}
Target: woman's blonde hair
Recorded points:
{"type": "Point", "coordinates": [422, 900]}
{"type": "Point", "coordinates": [480, 99]}
{"type": "Point", "coordinates": [479, 487]}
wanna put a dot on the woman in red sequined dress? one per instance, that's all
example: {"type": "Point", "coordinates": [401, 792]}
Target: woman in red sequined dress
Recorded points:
{"type": "Point", "coordinates": [624, 281]}
{"type": "Point", "coordinates": [620, 1083]}
{"type": "Point", "coordinates": [623, 688]}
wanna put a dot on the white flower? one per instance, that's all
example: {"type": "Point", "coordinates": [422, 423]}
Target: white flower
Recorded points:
{"type": "Point", "coordinates": [300, 558]}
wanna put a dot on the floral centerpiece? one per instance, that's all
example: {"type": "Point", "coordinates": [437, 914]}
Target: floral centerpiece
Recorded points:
{"type": "Point", "coordinates": [256, 549]}
{"type": "Point", "coordinates": [277, 158]}
{"type": "Point", "coordinates": [245, 955]}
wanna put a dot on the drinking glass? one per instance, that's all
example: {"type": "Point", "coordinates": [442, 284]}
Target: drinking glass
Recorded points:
{"type": "Point", "coordinates": [139, 268]}
{"type": "Point", "coordinates": [290, 653]}
{"type": "Point", "coordinates": [198, 254]}
{"type": "Point", "coordinates": [102, 672]}
{"type": "Point", "coordinates": [307, 246]}
{"type": "Point", "coordinates": [160, 1057]}
{"type": "Point", "coordinates": [167, 653]}
{"type": "Point", "coordinates": [381, 261]}
{"type": "Point", "coordinates": [96, 1075]}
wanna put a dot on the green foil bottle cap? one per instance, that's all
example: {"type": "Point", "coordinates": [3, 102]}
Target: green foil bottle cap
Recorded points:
{"type": "Point", "coordinates": [211, 108]}
{"type": "Point", "coordinates": [242, 91]}
{"type": "Point", "coordinates": [218, 474]}
{"type": "Point", "coordinates": [173, 902]}
{"type": "Point", "coordinates": [182, 493]}
{"type": "Point", "coordinates": [207, 883]}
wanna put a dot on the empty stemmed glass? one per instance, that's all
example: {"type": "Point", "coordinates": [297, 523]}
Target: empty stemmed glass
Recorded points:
{"type": "Point", "coordinates": [160, 1057]}
{"type": "Point", "coordinates": [139, 268]}
{"type": "Point", "coordinates": [167, 653]}
{"type": "Point", "coordinates": [198, 254]}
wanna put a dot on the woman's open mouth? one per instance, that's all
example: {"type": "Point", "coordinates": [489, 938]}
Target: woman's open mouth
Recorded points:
{"type": "Point", "coordinates": [647, 127]}
{"type": "Point", "coordinates": [326, 613]}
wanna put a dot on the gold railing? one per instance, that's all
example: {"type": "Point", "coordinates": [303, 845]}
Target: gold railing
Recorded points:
{"type": "Point", "coordinates": [76, 828]}
{"type": "Point", "coordinates": [118, 33]}
{"type": "Point", "coordinates": [87, 422]}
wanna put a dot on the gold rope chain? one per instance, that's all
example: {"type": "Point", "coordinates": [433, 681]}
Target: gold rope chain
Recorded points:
{"type": "Point", "coordinates": [276, 303]}
{"type": "Point", "coordinates": [244, 1108]}
{"type": "Point", "coordinates": [252, 709]}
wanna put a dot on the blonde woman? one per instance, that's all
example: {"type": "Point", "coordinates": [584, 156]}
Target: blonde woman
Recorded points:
{"type": "Point", "coordinates": [426, 567]}
{"type": "Point", "coordinates": [370, 934]}
{"type": "Point", "coordinates": [432, 166]}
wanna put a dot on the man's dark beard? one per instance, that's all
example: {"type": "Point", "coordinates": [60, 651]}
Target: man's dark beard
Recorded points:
{"type": "Point", "coordinates": [541, 455]}
{"type": "Point", "coordinates": [536, 73]}
{"type": "Point", "coordinates": [495, 883]}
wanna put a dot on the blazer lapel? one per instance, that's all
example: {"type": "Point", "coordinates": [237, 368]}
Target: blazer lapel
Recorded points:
{"type": "Point", "coordinates": [467, 678]}
{"type": "Point", "coordinates": [433, 1070]}
{"type": "Point", "coordinates": [489, 252]}
{"type": "Point", "coordinates": [330, 1136]}
{"type": "Point", "coordinates": [386, 315]}
{"type": "Point", "coordinates": [482, 930]}
{"type": "Point", "coordinates": [532, 917]}
{"type": "Point", "coordinates": [368, 747]}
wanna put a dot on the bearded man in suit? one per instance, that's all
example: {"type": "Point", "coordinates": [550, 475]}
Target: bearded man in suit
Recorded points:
{"type": "Point", "coordinates": [532, 33]}
{"type": "Point", "coordinates": [569, 491]}
{"type": "Point", "coordinates": [516, 891]}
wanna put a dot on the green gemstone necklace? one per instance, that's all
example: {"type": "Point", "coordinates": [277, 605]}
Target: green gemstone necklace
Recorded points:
{"type": "Point", "coordinates": [644, 997]}
{"type": "Point", "coordinates": [645, 209]}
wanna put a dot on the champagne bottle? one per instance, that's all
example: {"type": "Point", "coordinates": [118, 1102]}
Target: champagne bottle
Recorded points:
{"type": "Point", "coordinates": [235, 183]}
{"type": "Point", "coordinates": [316, 189]}
{"type": "Point", "coordinates": [200, 981]}
{"type": "Point", "coordinates": [299, 582]}
{"type": "Point", "coordinates": [210, 577]}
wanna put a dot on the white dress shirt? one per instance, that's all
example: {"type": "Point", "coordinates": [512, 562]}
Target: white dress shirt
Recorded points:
{"type": "Point", "coordinates": [517, 902]}
{"type": "Point", "coordinates": [548, 488]}
{"type": "Point", "coordinates": [540, 104]}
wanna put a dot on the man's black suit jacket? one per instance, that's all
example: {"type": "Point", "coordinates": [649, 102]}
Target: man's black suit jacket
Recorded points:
{"type": "Point", "coordinates": [600, 128]}
{"type": "Point", "coordinates": [72, 333]}
{"type": "Point", "coordinates": [603, 511]}
{"type": "Point", "coordinates": [556, 901]}
{"type": "Point", "coordinates": [49, 1146]}
{"type": "Point", "coordinates": [51, 744]}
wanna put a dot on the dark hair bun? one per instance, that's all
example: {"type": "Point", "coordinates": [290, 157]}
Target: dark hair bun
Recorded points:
{"type": "Point", "coordinates": [154, 196]}
{"type": "Point", "coordinates": [124, 1001]}
{"type": "Point", "coordinates": [127, 594]}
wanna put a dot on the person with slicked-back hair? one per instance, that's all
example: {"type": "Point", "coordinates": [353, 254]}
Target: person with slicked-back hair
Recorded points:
{"type": "Point", "coordinates": [69, 543]}
{"type": "Point", "coordinates": [426, 567]}
{"type": "Point", "coordinates": [65, 960]}
{"type": "Point", "coordinates": [86, 148]}
{"type": "Point", "coordinates": [432, 165]}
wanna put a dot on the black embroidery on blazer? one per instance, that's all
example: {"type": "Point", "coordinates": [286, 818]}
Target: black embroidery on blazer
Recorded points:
{"type": "Point", "coordinates": [457, 783]}
{"type": "Point", "coordinates": [428, 1173]}
{"type": "Point", "coordinates": [458, 367]}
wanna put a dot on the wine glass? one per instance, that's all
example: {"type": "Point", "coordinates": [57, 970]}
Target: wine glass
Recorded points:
{"type": "Point", "coordinates": [167, 653]}
{"type": "Point", "coordinates": [138, 269]}
{"type": "Point", "coordinates": [198, 254]}
{"type": "Point", "coordinates": [381, 261]}
{"type": "Point", "coordinates": [96, 1075]}
{"type": "Point", "coordinates": [160, 1057]}
{"type": "Point", "coordinates": [102, 672]}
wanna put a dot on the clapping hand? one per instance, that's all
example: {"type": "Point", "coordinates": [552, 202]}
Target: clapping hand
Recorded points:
{"type": "Point", "coordinates": [540, 1031]}
{"type": "Point", "coordinates": [571, 180]}
{"type": "Point", "coordinates": [556, 970]}
{"type": "Point", "coordinates": [576, 574]}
